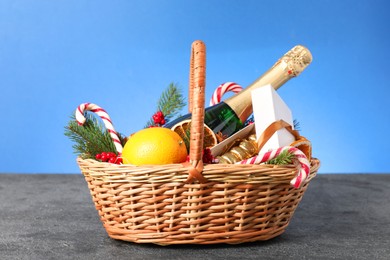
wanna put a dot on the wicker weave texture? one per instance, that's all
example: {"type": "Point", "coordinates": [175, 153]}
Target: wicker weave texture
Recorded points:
{"type": "Point", "coordinates": [168, 211]}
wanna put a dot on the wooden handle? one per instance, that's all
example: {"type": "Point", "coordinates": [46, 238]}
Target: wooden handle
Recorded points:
{"type": "Point", "coordinates": [197, 99]}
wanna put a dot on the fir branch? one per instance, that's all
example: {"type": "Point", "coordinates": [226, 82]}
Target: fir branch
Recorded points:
{"type": "Point", "coordinates": [149, 123]}
{"type": "Point", "coordinates": [297, 125]}
{"type": "Point", "coordinates": [187, 138]}
{"type": "Point", "coordinates": [284, 158]}
{"type": "Point", "coordinates": [170, 103]}
{"type": "Point", "coordinates": [91, 138]}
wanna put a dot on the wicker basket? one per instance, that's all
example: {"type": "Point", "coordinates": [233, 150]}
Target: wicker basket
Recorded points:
{"type": "Point", "coordinates": [194, 203]}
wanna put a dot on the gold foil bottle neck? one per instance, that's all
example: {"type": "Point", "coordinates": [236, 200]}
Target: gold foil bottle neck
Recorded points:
{"type": "Point", "coordinates": [288, 66]}
{"type": "Point", "coordinates": [296, 60]}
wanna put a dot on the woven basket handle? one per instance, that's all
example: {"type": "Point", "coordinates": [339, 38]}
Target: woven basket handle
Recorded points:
{"type": "Point", "coordinates": [196, 106]}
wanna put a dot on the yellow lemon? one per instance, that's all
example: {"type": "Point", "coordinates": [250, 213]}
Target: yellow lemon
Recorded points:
{"type": "Point", "coordinates": [155, 145]}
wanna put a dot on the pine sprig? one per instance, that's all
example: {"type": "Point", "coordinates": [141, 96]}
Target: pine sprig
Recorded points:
{"type": "Point", "coordinates": [91, 138]}
{"type": "Point", "coordinates": [297, 125]}
{"type": "Point", "coordinates": [170, 103]}
{"type": "Point", "coordinates": [284, 158]}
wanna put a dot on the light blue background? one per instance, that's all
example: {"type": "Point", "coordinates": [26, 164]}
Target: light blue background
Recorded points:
{"type": "Point", "coordinates": [55, 55]}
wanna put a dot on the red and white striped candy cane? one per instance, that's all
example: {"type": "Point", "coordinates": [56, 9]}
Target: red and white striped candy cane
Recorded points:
{"type": "Point", "coordinates": [222, 89]}
{"type": "Point", "coordinates": [106, 120]}
{"type": "Point", "coordinates": [304, 164]}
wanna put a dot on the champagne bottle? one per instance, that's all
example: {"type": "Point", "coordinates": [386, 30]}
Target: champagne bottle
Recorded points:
{"type": "Point", "coordinates": [229, 116]}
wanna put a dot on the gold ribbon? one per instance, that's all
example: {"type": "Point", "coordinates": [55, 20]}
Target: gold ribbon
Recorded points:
{"type": "Point", "coordinates": [304, 145]}
{"type": "Point", "coordinates": [271, 129]}
{"type": "Point", "coordinates": [300, 142]}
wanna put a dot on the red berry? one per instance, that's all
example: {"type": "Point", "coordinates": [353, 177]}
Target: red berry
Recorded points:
{"type": "Point", "coordinates": [104, 157]}
{"type": "Point", "coordinates": [118, 160]}
{"type": "Point", "coordinates": [159, 114]}
{"type": "Point", "coordinates": [158, 118]}
{"type": "Point", "coordinates": [207, 156]}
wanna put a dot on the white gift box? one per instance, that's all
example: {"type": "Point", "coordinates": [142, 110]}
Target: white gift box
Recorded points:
{"type": "Point", "coordinates": [269, 107]}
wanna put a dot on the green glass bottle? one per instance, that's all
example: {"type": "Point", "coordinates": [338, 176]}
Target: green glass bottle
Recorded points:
{"type": "Point", "coordinates": [220, 118]}
{"type": "Point", "coordinates": [227, 117]}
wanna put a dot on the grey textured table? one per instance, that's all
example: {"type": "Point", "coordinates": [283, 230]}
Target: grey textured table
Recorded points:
{"type": "Point", "coordinates": [52, 217]}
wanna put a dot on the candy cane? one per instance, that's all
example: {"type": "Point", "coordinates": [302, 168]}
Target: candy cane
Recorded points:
{"type": "Point", "coordinates": [304, 164]}
{"type": "Point", "coordinates": [104, 116]}
{"type": "Point", "coordinates": [222, 89]}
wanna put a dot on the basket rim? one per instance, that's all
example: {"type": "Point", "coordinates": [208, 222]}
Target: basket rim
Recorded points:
{"type": "Point", "coordinates": [173, 173]}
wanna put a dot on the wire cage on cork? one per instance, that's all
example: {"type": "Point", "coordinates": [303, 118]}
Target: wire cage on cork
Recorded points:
{"type": "Point", "coordinates": [195, 203]}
